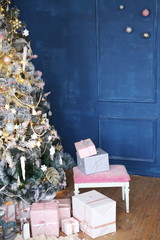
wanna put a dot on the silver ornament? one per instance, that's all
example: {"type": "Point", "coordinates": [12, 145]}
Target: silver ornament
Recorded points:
{"type": "Point", "coordinates": [9, 127]}
{"type": "Point", "coordinates": [121, 7]}
{"type": "Point", "coordinates": [129, 29]}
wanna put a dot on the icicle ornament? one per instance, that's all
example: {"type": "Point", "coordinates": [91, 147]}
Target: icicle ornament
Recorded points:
{"type": "Point", "coordinates": [52, 152]}
{"type": "Point", "coordinates": [60, 160]}
{"type": "Point", "coordinates": [24, 57]}
{"type": "Point", "coordinates": [23, 159]}
{"type": "Point", "coordinates": [18, 181]}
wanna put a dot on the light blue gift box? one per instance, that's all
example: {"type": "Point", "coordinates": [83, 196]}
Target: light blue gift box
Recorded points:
{"type": "Point", "coordinates": [94, 164]}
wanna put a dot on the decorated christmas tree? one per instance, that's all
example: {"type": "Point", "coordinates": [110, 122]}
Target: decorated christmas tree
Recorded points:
{"type": "Point", "coordinates": [32, 160]}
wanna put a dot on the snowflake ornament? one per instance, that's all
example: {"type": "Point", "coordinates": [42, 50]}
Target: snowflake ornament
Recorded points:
{"type": "Point", "coordinates": [13, 111]}
{"type": "Point", "coordinates": [34, 136]}
{"type": "Point", "coordinates": [25, 32]}
{"type": "Point", "coordinates": [43, 168]}
{"type": "Point", "coordinates": [52, 152]}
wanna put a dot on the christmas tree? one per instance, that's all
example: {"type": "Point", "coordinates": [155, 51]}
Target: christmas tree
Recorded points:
{"type": "Point", "coordinates": [32, 160]}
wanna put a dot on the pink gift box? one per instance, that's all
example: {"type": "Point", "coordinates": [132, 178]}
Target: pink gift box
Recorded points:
{"type": "Point", "coordinates": [95, 212]}
{"type": "Point", "coordinates": [22, 210]}
{"type": "Point", "coordinates": [64, 208]}
{"type": "Point", "coordinates": [85, 148]}
{"type": "Point", "coordinates": [70, 226]}
{"type": "Point", "coordinates": [10, 212]}
{"type": "Point", "coordinates": [45, 219]}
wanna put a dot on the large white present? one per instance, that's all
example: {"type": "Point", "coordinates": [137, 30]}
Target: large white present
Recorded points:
{"type": "Point", "coordinates": [94, 164]}
{"type": "Point", "coordinates": [95, 212]}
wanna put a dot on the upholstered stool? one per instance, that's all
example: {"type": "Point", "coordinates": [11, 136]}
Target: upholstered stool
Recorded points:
{"type": "Point", "coordinates": [117, 176]}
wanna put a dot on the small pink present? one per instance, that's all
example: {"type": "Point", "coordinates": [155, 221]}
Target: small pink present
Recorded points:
{"type": "Point", "coordinates": [9, 208]}
{"type": "Point", "coordinates": [85, 148]}
{"type": "Point", "coordinates": [64, 208]}
{"type": "Point", "coordinates": [22, 210]}
{"type": "Point", "coordinates": [45, 219]}
{"type": "Point", "coordinates": [70, 226]}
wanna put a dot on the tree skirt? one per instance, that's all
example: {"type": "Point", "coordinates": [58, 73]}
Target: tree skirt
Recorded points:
{"type": "Point", "coordinates": [43, 237]}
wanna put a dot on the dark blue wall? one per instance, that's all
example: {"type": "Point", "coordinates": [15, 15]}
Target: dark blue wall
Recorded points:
{"type": "Point", "coordinates": [63, 35]}
{"type": "Point", "coordinates": [104, 81]}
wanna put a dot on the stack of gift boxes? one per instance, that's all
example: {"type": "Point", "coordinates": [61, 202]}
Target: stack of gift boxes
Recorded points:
{"type": "Point", "coordinates": [95, 211]}
{"type": "Point", "coordinates": [92, 212]}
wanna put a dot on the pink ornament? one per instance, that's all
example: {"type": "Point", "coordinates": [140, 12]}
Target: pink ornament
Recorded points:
{"type": "Point", "coordinates": [34, 56]}
{"type": "Point", "coordinates": [40, 85]}
{"type": "Point", "coordinates": [145, 12]}
{"type": "Point", "coordinates": [25, 123]}
{"type": "Point", "coordinates": [39, 112]}
{"type": "Point", "coordinates": [39, 73]}
{"type": "Point", "coordinates": [46, 94]}
{"type": "Point", "coordinates": [1, 36]}
{"type": "Point", "coordinates": [7, 60]}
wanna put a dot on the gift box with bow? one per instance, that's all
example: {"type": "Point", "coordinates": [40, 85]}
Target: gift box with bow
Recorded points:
{"type": "Point", "coordinates": [70, 226]}
{"type": "Point", "coordinates": [95, 212]}
{"type": "Point", "coordinates": [45, 219]}
{"type": "Point", "coordinates": [85, 148]}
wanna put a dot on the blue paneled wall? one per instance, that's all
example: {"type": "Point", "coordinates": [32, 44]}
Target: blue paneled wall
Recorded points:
{"type": "Point", "coordinates": [104, 81]}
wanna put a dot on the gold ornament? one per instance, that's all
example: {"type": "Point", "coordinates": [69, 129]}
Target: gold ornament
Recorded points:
{"type": "Point", "coordinates": [1, 9]}
{"type": "Point", "coordinates": [58, 147]}
{"type": "Point", "coordinates": [16, 24]}
{"type": "Point", "coordinates": [52, 175]}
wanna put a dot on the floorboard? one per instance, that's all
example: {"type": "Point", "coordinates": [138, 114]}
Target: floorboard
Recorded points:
{"type": "Point", "coordinates": [143, 221]}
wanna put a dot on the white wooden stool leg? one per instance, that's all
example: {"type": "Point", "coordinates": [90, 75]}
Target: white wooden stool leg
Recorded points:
{"type": "Point", "coordinates": [127, 196]}
{"type": "Point", "coordinates": [76, 189]}
{"type": "Point", "coordinates": [123, 193]}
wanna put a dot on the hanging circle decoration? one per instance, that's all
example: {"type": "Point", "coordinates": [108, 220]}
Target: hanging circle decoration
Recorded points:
{"type": "Point", "coordinates": [145, 12]}
{"type": "Point", "coordinates": [146, 35]}
{"type": "Point", "coordinates": [129, 29]}
{"type": "Point", "coordinates": [121, 7]}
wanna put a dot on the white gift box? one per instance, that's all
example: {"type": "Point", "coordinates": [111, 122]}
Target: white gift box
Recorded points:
{"type": "Point", "coordinates": [95, 212]}
{"type": "Point", "coordinates": [94, 164]}
{"type": "Point", "coordinates": [70, 226]}
{"type": "Point", "coordinates": [26, 230]}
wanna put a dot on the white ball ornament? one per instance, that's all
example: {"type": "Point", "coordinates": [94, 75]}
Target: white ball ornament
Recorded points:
{"type": "Point", "coordinates": [1, 132]}
{"type": "Point", "coordinates": [146, 35]}
{"type": "Point", "coordinates": [9, 127]}
{"type": "Point", "coordinates": [121, 7]}
{"type": "Point", "coordinates": [129, 29]}
{"type": "Point", "coordinates": [7, 60]}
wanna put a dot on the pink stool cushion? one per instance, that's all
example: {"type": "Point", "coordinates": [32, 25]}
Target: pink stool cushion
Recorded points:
{"type": "Point", "coordinates": [117, 173]}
